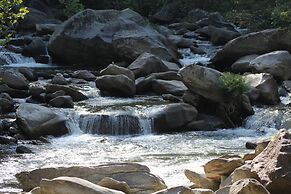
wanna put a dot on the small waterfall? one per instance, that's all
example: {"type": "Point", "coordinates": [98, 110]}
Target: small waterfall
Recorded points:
{"type": "Point", "coordinates": [7, 58]}
{"type": "Point", "coordinates": [115, 124]}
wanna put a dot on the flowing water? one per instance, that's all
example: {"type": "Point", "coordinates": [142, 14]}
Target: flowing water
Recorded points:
{"type": "Point", "coordinates": [167, 155]}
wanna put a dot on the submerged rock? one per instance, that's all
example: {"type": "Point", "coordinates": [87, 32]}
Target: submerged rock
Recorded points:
{"type": "Point", "coordinates": [36, 121]}
{"type": "Point", "coordinates": [98, 37]}
{"type": "Point", "coordinates": [138, 177]}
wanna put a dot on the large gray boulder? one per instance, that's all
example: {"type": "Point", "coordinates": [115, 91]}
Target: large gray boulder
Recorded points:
{"type": "Point", "coordinates": [98, 37]}
{"type": "Point", "coordinates": [267, 87]}
{"type": "Point", "coordinates": [36, 121]}
{"type": "Point", "coordinates": [173, 117]}
{"type": "Point", "coordinates": [138, 177]}
{"type": "Point", "coordinates": [203, 81]}
{"type": "Point", "coordinates": [116, 85]}
{"type": "Point", "coordinates": [277, 63]}
{"type": "Point", "coordinates": [147, 64]}
{"type": "Point", "coordinates": [253, 43]}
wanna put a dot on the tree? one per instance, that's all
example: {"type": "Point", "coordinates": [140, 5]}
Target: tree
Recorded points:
{"type": "Point", "coordinates": [11, 11]}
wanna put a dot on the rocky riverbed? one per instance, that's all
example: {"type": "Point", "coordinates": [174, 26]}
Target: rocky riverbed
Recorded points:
{"type": "Point", "coordinates": [109, 98]}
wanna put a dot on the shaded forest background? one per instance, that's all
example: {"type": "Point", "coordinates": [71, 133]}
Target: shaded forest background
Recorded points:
{"type": "Point", "coordinates": [253, 14]}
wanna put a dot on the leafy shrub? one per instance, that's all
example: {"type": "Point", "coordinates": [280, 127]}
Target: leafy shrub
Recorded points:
{"type": "Point", "coordinates": [11, 11]}
{"type": "Point", "coordinates": [72, 7]}
{"type": "Point", "coordinates": [233, 84]}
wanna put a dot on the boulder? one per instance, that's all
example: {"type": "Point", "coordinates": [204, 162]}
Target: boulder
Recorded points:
{"type": "Point", "coordinates": [7, 140]}
{"type": "Point", "coordinates": [273, 164]}
{"type": "Point", "coordinates": [218, 36]}
{"type": "Point", "coordinates": [28, 74]}
{"type": "Point", "coordinates": [206, 123]}
{"type": "Point", "coordinates": [98, 37]}
{"type": "Point", "coordinates": [48, 97]}
{"type": "Point", "coordinates": [36, 48]}
{"type": "Point", "coordinates": [6, 103]}
{"type": "Point", "coordinates": [224, 190]}
{"type": "Point", "coordinates": [36, 121]}
{"type": "Point", "coordinates": [172, 117]}
{"type": "Point", "coordinates": [114, 184]}
{"type": "Point", "coordinates": [267, 86]}
{"type": "Point", "coordinates": [116, 85]}
{"type": "Point", "coordinates": [23, 150]}
{"type": "Point", "coordinates": [84, 74]}
{"type": "Point", "coordinates": [222, 166]}
{"type": "Point", "coordinates": [144, 84]}
{"type": "Point", "coordinates": [175, 190]}
{"type": "Point", "coordinates": [44, 29]}
{"type": "Point", "coordinates": [116, 70]}
{"type": "Point", "coordinates": [242, 65]}
{"type": "Point", "coordinates": [287, 85]}
{"type": "Point", "coordinates": [14, 79]}
{"type": "Point", "coordinates": [35, 91]}
{"type": "Point", "coordinates": [73, 185]}
{"type": "Point", "coordinates": [69, 90]}
{"type": "Point", "coordinates": [4, 88]}
{"type": "Point", "coordinates": [62, 102]}
{"type": "Point", "coordinates": [277, 63]}
{"type": "Point", "coordinates": [59, 80]}
{"type": "Point", "coordinates": [35, 17]}
{"type": "Point", "coordinates": [252, 43]}
{"type": "Point", "coordinates": [195, 15]}
{"type": "Point", "coordinates": [138, 177]}
{"type": "Point", "coordinates": [174, 87]}
{"type": "Point", "coordinates": [147, 64]}
{"type": "Point", "coordinates": [215, 19]}
{"type": "Point", "coordinates": [203, 81]}
{"type": "Point", "coordinates": [171, 98]}
{"type": "Point", "coordinates": [248, 186]}
{"type": "Point", "coordinates": [201, 181]}
{"type": "Point", "coordinates": [168, 12]}
{"type": "Point", "coordinates": [181, 42]}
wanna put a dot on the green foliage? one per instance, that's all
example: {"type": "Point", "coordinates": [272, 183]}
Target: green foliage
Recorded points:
{"type": "Point", "coordinates": [11, 11]}
{"type": "Point", "coordinates": [233, 84]}
{"type": "Point", "coordinates": [71, 7]}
